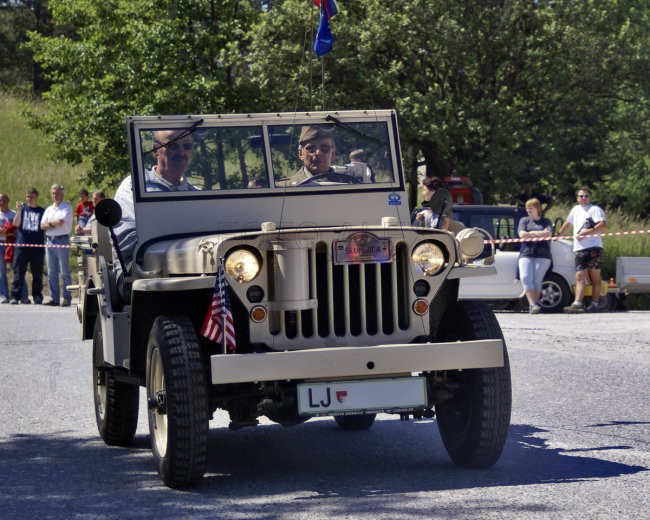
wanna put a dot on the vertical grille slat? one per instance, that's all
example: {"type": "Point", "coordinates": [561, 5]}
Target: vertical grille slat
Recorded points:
{"type": "Point", "coordinates": [368, 300]}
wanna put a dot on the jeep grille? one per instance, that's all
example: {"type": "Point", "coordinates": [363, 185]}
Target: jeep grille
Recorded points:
{"type": "Point", "coordinates": [360, 300]}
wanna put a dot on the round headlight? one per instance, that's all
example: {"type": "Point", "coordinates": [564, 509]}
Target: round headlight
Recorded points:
{"type": "Point", "coordinates": [470, 243]}
{"type": "Point", "coordinates": [242, 265]}
{"type": "Point", "coordinates": [428, 258]}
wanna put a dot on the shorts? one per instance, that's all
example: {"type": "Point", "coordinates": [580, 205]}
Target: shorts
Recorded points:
{"type": "Point", "coordinates": [588, 258]}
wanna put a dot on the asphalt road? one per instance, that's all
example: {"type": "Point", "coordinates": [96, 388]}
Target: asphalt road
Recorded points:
{"type": "Point", "coordinates": [579, 445]}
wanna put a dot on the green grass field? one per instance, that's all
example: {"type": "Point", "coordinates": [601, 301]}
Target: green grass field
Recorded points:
{"type": "Point", "coordinates": [24, 159]}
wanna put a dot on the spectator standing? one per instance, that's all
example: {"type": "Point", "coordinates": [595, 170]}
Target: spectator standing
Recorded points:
{"type": "Point", "coordinates": [28, 231]}
{"type": "Point", "coordinates": [420, 216]}
{"type": "Point", "coordinates": [6, 223]}
{"type": "Point", "coordinates": [83, 211]}
{"type": "Point", "coordinates": [534, 256]}
{"type": "Point", "coordinates": [57, 224]}
{"type": "Point", "coordinates": [589, 221]}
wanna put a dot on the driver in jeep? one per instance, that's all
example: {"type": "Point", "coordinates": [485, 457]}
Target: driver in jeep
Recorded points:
{"type": "Point", "coordinates": [316, 150]}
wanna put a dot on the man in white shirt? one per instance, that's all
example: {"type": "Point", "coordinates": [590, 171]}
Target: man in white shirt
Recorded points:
{"type": "Point", "coordinates": [588, 221]}
{"type": "Point", "coordinates": [57, 224]}
{"type": "Point", "coordinates": [172, 150]}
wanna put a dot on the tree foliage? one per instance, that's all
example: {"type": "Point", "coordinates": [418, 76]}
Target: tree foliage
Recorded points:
{"type": "Point", "coordinates": [506, 91]}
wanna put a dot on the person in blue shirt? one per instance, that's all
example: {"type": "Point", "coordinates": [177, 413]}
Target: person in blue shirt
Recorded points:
{"type": "Point", "coordinates": [535, 255]}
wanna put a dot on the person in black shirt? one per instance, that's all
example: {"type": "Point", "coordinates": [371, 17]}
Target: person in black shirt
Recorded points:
{"type": "Point", "coordinates": [534, 256]}
{"type": "Point", "coordinates": [28, 223]}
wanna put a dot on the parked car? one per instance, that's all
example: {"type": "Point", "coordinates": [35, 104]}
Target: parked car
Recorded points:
{"type": "Point", "coordinates": [501, 222]}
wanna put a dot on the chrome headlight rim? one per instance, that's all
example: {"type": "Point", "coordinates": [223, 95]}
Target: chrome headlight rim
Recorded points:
{"type": "Point", "coordinates": [429, 258]}
{"type": "Point", "coordinates": [243, 264]}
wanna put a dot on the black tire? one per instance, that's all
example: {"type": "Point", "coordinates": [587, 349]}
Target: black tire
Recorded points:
{"type": "Point", "coordinates": [474, 423]}
{"type": "Point", "coordinates": [177, 394]}
{"type": "Point", "coordinates": [556, 293]}
{"type": "Point", "coordinates": [355, 423]}
{"type": "Point", "coordinates": [116, 402]}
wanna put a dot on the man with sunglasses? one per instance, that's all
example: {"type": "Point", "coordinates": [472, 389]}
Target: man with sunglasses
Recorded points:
{"type": "Point", "coordinates": [316, 150]}
{"type": "Point", "coordinates": [172, 150]}
{"type": "Point", "coordinates": [589, 221]}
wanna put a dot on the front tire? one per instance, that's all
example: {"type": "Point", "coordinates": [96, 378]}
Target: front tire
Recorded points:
{"type": "Point", "coordinates": [178, 401]}
{"type": "Point", "coordinates": [474, 423]}
{"type": "Point", "coordinates": [116, 402]}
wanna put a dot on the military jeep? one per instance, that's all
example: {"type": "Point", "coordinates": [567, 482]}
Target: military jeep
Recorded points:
{"type": "Point", "coordinates": [289, 300]}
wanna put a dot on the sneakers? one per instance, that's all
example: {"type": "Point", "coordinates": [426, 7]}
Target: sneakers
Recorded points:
{"type": "Point", "coordinates": [38, 301]}
{"type": "Point", "coordinates": [534, 309]}
{"type": "Point", "coordinates": [65, 303]}
{"type": "Point", "coordinates": [4, 300]}
{"type": "Point", "coordinates": [26, 301]}
{"type": "Point", "coordinates": [51, 302]}
{"type": "Point", "coordinates": [575, 308]}
{"type": "Point", "coordinates": [594, 307]}
{"type": "Point", "coordinates": [13, 301]}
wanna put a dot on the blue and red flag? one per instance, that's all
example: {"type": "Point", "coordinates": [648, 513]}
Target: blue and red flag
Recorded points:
{"type": "Point", "coordinates": [324, 42]}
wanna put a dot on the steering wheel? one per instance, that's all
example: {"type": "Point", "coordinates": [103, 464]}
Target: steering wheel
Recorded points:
{"type": "Point", "coordinates": [343, 178]}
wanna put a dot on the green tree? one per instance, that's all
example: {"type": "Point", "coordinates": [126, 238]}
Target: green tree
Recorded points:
{"type": "Point", "coordinates": [119, 57]}
{"type": "Point", "coordinates": [505, 92]}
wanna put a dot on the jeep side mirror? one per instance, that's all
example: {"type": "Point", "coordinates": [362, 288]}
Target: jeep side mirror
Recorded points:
{"type": "Point", "coordinates": [108, 212]}
{"type": "Point", "coordinates": [440, 204]}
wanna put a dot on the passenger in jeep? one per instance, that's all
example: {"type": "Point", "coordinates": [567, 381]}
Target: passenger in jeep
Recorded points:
{"type": "Point", "coordinates": [172, 150]}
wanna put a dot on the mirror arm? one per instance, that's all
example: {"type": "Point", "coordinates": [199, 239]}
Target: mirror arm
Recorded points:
{"type": "Point", "coordinates": [118, 251]}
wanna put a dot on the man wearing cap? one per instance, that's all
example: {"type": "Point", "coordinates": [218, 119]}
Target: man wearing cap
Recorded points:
{"type": "Point", "coordinates": [57, 224]}
{"type": "Point", "coordinates": [316, 150]}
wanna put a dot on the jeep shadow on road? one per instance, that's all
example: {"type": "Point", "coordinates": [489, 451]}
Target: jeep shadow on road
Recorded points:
{"type": "Point", "coordinates": [61, 474]}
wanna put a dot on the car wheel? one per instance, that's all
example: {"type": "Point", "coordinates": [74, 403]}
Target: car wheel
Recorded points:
{"type": "Point", "coordinates": [355, 422]}
{"type": "Point", "coordinates": [556, 293]}
{"type": "Point", "coordinates": [178, 401]}
{"type": "Point", "coordinates": [116, 402]}
{"type": "Point", "coordinates": [474, 422]}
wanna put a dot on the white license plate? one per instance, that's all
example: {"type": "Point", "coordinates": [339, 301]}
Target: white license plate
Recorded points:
{"type": "Point", "coordinates": [377, 395]}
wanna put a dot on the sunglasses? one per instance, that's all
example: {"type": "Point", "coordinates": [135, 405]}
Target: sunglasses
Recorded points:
{"type": "Point", "coordinates": [311, 148]}
{"type": "Point", "coordinates": [584, 196]}
{"type": "Point", "coordinates": [174, 147]}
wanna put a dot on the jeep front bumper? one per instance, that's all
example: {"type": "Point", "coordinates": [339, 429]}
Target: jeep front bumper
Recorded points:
{"type": "Point", "coordinates": [355, 362]}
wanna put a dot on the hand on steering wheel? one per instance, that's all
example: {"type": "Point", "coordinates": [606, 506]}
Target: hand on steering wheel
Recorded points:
{"type": "Point", "coordinates": [343, 178]}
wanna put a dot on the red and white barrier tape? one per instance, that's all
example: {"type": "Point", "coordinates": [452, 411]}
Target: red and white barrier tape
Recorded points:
{"type": "Point", "coordinates": [567, 237]}
{"type": "Point", "coordinates": [498, 241]}
{"type": "Point", "coordinates": [64, 246]}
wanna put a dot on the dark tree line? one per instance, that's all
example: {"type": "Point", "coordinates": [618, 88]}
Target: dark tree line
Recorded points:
{"type": "Point", "coordinates": [506, 91]}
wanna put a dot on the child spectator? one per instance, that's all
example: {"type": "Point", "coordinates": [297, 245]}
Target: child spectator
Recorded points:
{"type": "Point", "coordinates": [83, 211]}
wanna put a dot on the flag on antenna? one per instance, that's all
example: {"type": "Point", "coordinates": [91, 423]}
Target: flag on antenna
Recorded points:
{"type": "Point", "coordinates": [324, 42]}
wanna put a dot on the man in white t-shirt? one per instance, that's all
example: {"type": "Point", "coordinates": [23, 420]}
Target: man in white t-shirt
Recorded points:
{"type": "Point", "coordinates": [57, 224]}
{"type": "Point", "coordinates": [588, 222]}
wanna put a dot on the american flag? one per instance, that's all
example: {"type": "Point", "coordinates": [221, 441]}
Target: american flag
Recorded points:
{"type": "Point", "coordinates": [218, 313]}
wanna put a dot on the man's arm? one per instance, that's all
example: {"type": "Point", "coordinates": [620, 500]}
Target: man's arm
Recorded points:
{"type": "Point", "coordinates": [565, 227]}
{"type": "Point", "coordinates": [18, 217]}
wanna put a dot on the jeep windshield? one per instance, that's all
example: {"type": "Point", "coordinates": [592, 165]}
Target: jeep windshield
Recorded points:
{"type": "Point", "coordinates": [236, 171]}
{"type": "Point", "coordinates": [238, 153]}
